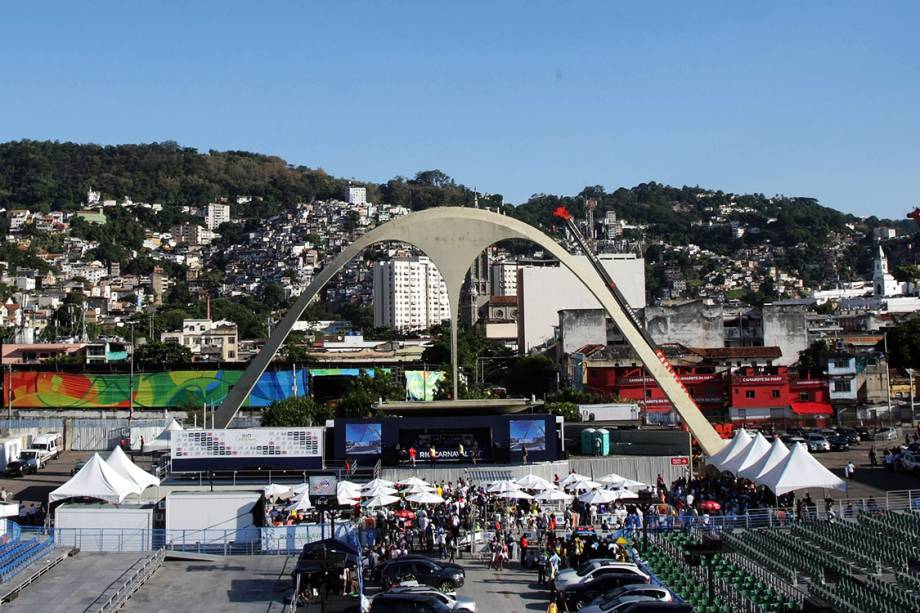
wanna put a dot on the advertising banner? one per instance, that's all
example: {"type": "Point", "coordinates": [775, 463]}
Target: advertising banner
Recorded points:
{"type": "Point", "coordinates": [323, 485]}
{"type": "Point", "coordinates": [247, 449]}
{"type": "Point", "coordinates": [528, 433]}
{"type": "Point", "coordinates": [421, 384]}
{"type": "Point", "coordinates": [363, 438]}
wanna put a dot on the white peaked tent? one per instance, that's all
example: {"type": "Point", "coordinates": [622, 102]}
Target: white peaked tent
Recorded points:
{"type": "Point", "coordinates": [161, 442]}
{"type": "Point", "coordinates": [741, 440]}
{"type": "Point", "coordinates": [800, 471]}
{"type": "Point", "coordinates": [747, 456]}
{"type": "Point", "coordinates": [96, 480]}
{"type": "Point", "coordinates": [534, 482]}
{"type": "Point", "coordinates": [123, 465]}
{"type": "Point", "coordinates": [777, 453]}
{"type": "Point", "coordinates": [302, 503]}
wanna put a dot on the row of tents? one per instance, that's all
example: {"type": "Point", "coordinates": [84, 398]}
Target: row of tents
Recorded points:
{"type": "Point", "coordinates": [774, 465]}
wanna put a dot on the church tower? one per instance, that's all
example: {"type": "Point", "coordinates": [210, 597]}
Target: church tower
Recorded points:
{"type": "Point", "coordinates": [883, 282]}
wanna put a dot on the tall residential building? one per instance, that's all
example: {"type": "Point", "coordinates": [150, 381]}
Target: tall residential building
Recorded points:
{"type": "Point", "coordinates": [504, 278]}
{"type": "Point", "coordinates": [409, 294]}
{"type": "Point", "coordinates": [217, 214]}
{"type": "Point", "coordinates": [357, 195]}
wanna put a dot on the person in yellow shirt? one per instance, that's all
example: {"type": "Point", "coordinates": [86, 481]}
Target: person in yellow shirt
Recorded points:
{"type": "Point", "coordinates": [440, 491]}
{"type": "Point", "coordinates": [552, 608]}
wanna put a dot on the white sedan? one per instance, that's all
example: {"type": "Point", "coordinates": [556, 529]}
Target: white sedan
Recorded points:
{"type": "Point", "coordinates": [594, 568]}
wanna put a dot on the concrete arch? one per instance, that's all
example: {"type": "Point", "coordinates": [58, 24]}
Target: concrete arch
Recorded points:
{"type": "Point", "coordinates": [453, 237]}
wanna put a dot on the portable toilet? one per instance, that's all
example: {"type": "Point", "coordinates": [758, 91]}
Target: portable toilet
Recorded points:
{"type": "Point", "coordinates": [587, 441]}
{"type": "Point", "coordinates": [604, 435]}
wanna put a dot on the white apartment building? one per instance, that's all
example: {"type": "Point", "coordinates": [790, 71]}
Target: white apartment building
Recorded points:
{"type": "Point", "coordinates": [216, 214]}
{"type": "Point", "coordinates": [409, 294]}
{"type": "Point", "coordinates": [504, 278]}
{"type": "Point", "coordinates": [209, 341]}
{"type": "Point", "coordinates": [357, 195]}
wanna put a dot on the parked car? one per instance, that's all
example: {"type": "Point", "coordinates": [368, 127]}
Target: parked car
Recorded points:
{"type": "Point", "coordinates": [817, 443]}
{"type": "Point", "coordinates": [578, 595]}
{"type": "Point", "coordinates": [656, 606]}
{"type": "Point", "coordinates": [595, 568]}
{"type": "Point", "coordinates": [453, 602]}
{"type": "Point", "coordinates": [28, 462]}
{"type": "Point", "coordinates": [839, 442]}
{"type": "Point", "coordinates": [392, 602]}
{"type": "Point", "coordinates": [790, 440]}
{"type": "Point", "coordinates": [795, 432]}
{"type": "Point", "coordinates": [908, 461]}
{"type": "Point", "coordinates": [622, 604]}
{"type": "Point", "coordinates": [864, 433]}
{"type": "Point", "coordinates": [49, 446]}
{"type": "Point", "coordinates": [887, 434]}
{"type": "Point", "coordinates": [851, 435]}
{"type": "Point", "coordinates": [611, 599]}
{"type": "Point", "coordinates": [445, 576]}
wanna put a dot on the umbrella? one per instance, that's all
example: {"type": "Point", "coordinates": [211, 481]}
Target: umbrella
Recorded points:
{"type": "Point", "coordinates": [300, 489]}
{"type": "Point", "coordinates": [574, 478]}
{"type": "Point", "coordinates": [710, 505]}
{"type": "Point", "coordinates": [381, 500]}
{"type": "Point", "coordinates": [346, 500]}
{"type": "Point", "coordinates": [302, 504]}
{"type": "Point", "coordinates": [503, 486]}
{"type": "Point", "coordinates": [586, 485]}
{"type": "Point", "coordinates": [378, 491]}
{"type": "Point", "coordinates": [273, 490]}
{"type": "Point", "coordinates": [377, 483]}
{"type": "Point", "coordinates": [612, 478]}
{"type": "Point", "coordinates": [516, 494]}
{"type": "Point", "coordinates": [533, 482]}
{"type": "Point", "coordinates": [347, 486]}
{"type": "Point", "coordinates": [623, 494]}
{"type": "Point", "coordinates": [598, 497]}
{"type": "Point", "coordinates": [425, 498]}
{"type": "Point", "coordinates": [551, 495]}
{"type": "Point", "coordinates": [411, 481]}
{"type": "Point", "coordinates": [416, 489]}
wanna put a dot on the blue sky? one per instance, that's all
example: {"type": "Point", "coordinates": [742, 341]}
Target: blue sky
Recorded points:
{"type": "Point", "coordinates": [817, 98]}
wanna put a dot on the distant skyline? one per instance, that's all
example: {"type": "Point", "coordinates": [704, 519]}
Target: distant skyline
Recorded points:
{"type": "Point", "coordinates": [817, 99]}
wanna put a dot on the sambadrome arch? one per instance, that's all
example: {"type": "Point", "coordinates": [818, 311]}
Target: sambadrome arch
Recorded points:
{"type": "Point", "coordinates": [452, 237]}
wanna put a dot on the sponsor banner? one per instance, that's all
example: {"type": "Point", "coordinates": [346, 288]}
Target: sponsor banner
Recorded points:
{"type": "Point", "coordinates": [681, 461]}
{"type": "Point", "coordinates": [323, 485]}
{"type": "Point", "coordinates": [247, 443]}
{"type": "Point", "coordinates": [765, 379]}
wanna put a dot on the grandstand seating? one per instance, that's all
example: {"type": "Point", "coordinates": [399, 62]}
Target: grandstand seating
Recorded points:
{"type": "Point", "coordinates": [16, 554]}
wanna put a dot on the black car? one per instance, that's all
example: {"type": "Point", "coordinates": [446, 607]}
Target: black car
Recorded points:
{"type": "Point", "coordinates": [851, 435]}
{"type": "Point", "coordinates": [580, 595]}
{"type": "Point", "coordinates": [656, 605]}
{"type": "Point", "coordinates": [407, 603]}
{"type": "Point", "coordinates": [864, 433]}
{"type": "Point", "coordinates": [441, 575]}
{"type": "Point", "coordinates": [839, 443]}
{"type": "Point", "coordinates": [17, 469]}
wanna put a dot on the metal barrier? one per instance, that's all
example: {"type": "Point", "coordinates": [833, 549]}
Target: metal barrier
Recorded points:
{"type": "Point", "coordinates": [120, 590]}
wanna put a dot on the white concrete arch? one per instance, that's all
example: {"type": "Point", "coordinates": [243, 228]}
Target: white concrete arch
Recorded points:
{"type": "Point", "coordinates": [453, 237]}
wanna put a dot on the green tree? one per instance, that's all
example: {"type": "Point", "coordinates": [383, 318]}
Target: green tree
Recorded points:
{"type": "Point", "coordinates": [162, 354]}
{"type": "Point", "coordinates": [815, 356]}
{"type": "Point", "coordinates": [532, 375]}
{"type": "Point", "coordinates": [568, 410]}
{"type": "Point", "coordinates": [365, 390]}
{"type": "Point", "coordinates": [904, 344]}
{"type": "Point", "coordinates": [295, 411]}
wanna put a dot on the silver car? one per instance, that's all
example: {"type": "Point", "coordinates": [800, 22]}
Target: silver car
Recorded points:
{"type": "Point", "coordinates": [610, 600]}
{"type": "Point", "coordinates": [817, 442]}
{"type": "Point", "coordinates": [453, 602]}
{"type": "Point", "coordinates": [620, 604]}
{"type": "Point", "coordinates": [594, 568]}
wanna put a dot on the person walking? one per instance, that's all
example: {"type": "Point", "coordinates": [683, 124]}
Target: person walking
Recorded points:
{"type": "Point", "coordinates": [873, 457]}
{"type": "Point", "coordinates": [542, 562]}
{"type": "Point", "coordinates": [849, 469]}
{"type": "Point", "coordinates": [524, 453]}
{"type": "Point", "coordinates": [553, 607]}
{"type": "Point", "coordinates": [413, 454]}
{"type": "Point", "coordinates": [432, 454]}
{"type": "Point", "coordinates": [142, 444]}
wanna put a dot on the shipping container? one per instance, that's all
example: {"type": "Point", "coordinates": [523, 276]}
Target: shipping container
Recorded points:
{"type": "Point", "coordinates": [104, 527]}
{"type": "Point", "coordinates": [212, 517]}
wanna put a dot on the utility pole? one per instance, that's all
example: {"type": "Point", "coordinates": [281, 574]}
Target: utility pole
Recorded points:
{"type": "Point", "coordinates": [913, 415]}
{"type": "Point", "coordinates": [888, 383]}
{"type": "Point", "coordinates": [131, 381]}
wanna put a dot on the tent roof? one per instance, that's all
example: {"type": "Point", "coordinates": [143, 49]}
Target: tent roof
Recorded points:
{"type": "Point", "coordinates": [123, 465]}
{"type": "Point", "coordinates": [777, 453]}
{"type": "Point", "coordinates": [747, 456]}
{"type": "Point", "coordinates": [741, 440]}
{"type": "Point", "coordinates": [799, 471]}
{"type": "Point", "coordinates": [96, 480]}
{"type": "Point", "coordinates": [173, 426]}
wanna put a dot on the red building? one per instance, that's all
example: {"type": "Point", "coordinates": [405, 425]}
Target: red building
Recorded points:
{"type": "Point", "coordinates": [771, 393]}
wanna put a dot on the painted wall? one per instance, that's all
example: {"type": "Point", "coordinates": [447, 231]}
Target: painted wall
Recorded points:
{"type": "Point", "coordinates": [34, 389]}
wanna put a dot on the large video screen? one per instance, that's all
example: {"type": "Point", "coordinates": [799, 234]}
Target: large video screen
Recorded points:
{"type": "Point", "coordinates": [447, 442]}
{"type": "Point", "coordinates": [529, 433]}
{"type": "Point", "coordinates": [363, 439]}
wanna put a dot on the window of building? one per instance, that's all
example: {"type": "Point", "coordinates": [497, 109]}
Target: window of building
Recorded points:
{"type": "Point", "coordinates": [775, 393]}
{"type": "Point", "coordinates": [841, 386]}
{"type": "Point", "coordinates": [750, 394]}
{"type": "Point", "coordinates": [231, 354]}
{"type": "Point", "coordinates": [804, 396]}
{"type": "Point", "coordinates": [648, 393]}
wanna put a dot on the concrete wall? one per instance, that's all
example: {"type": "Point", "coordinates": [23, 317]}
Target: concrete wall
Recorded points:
{"type": "Point", "coordinates": [580, 327]}
{"type": "Point", "coordinates": [691, 323]}
{"type": "Point", "coordinates": [784, 326]}
{"type": "Point", "coordinates": [543, 291]}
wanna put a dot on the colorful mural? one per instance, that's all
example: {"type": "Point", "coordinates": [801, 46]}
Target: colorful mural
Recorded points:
{"type": "Point", "coordinates": [179, 389]}
{"type": "Point", "coordinates": [421, 384]}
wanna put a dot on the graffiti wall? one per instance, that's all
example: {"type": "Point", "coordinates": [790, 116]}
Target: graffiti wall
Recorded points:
{"type": "Point", "coordinates": [178, 389]}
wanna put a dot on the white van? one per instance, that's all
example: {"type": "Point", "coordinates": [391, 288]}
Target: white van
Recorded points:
{"type": "Point", "coordinates": [49, 446]}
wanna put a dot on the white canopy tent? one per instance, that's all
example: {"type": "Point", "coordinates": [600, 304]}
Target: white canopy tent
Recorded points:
{"type": "Point", "coordinates": [515, 495]}
{"type": "Point", "coordinates": [534, 482]}
{"type": "Point", "coordinates": [777, 453]}
{"type": "Point", "coordinates": [96, 480]}
{"type": "Point", "coordinates": [377, 483]}
{"type": "Point", "coordinates": [276, 490]}
{"type": "Point", "coordinates": [123, 465]}
{"type": "Point", "coordinates": [741, 440]}
{"type": "Point", "coordinates": [409, 481]}
{"type": "Point", "coordinates": [381, 500]}
{"type": "Point", "coordinates": [573, 478]}
{"type": "Point", "coordinates": [161, 442]}
{"type": "Point", "coordinates": [598, 497]}
{"type": "Point", "coordinates": [378, 491]}
{"type": "Point", "coordinates": [552, 496]}
{"type": "Point", "coordinates": [758, 447]}
{"type": "Point", "coordinates": [800, 471]}
{"type": "Point", "coordinates": [425, 497]}
{"type": "Point", "coordinates": [503, 486]}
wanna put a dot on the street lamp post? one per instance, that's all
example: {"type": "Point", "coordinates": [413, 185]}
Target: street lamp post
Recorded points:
{"type": "Point", "coordinates": [131, 383]}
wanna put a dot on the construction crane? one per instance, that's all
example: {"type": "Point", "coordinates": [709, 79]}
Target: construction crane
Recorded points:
{"type": "Point", "coordinates": [563, 214]}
